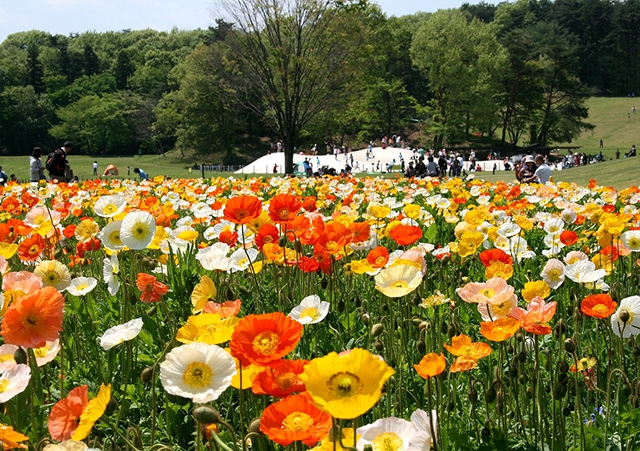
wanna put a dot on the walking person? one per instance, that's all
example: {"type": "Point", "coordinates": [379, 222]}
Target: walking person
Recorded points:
{"type": "Point", "coordinates": [57, 164]}
{"type": "Point", "coordinates": [36, 169]}
{"type": "Point", "coordinates": [95, 168]}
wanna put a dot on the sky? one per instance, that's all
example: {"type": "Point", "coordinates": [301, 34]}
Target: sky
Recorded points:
{"type": "Point", "coordinates": [77, 16]}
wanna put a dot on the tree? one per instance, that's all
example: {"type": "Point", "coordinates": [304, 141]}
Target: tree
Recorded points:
{"type": "Point", "coordinates": [460, 60]}
{"type": "Point", "coordinates": [24, 119]}
{"type": "Point", "coordinates": [36, 72]}
{"type": "Point", "coordinates": [295, 55]}
{"type": "Point", "coordinates": [91, 61]}
{"type": "Point", "coordinates": [123, 69]}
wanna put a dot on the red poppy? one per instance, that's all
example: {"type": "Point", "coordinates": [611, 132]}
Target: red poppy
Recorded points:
{"type": "Point", "coordinates": [609, 208]}
{"type": "Point", "coordinates": [598, 306]}
{"type": "Point", "coordinates": [611, 252]}
{"type": "Point", "coordinates": [29, 200]}
{"type": "Point", "coordinates": [268, 233]}
{"type": "Point", "coordinates": [406, 234]}
{"type": "Point", "coordinates": [242, 209]}
{"type": "Point", "coordinates": [361, 232]}
{"type": "Point", "coordinates": [280, 379]}
{"type": "Point", "coordinates": [489, 256]}
{"type": "Point", "coordinates": [378, 257]}
{"type": "Point", "coordinates": [228, 237]}
{"type": "Point", "coordinates": [262, 339]}
{"type": "Point", "coordinates": [150, 289]}
{"type": "Point", "coordinates": [34, 319]}
{"type": "Point", "coordinates": [284, 207]}
{"type": "Point", "coordinates": [31, 248]}
{"type": "Point", "coordinates": [309, 203]}
{"type": "Point", "coordinates": [65, 414]}
{"type": "Point", "coordinates": [295, 418]}
{"type": "Point", "coordinates": [568, 237]}
{"type": "Point", "coordinates": [297, 226]}
{"type": "Point", "coordinates": [69, 231]}
{"type": "Point", "coordinates": [334, 238]}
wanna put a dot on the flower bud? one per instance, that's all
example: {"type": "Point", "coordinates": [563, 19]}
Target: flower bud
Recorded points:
{"type": "Point", "coordinates": [423, 325]}
{"type": "Point", "coordinates": [282, 241]}
{"type": "Point", "coordinates": [452, 331]}
{"type": "Point", "coordinates": [297, 245]}
{"type": "Point", "coordinates": [529, 393]}
{"type": "Point", "coordinates": [206, 415]}
{"type": "Point", "coordinates": [560, 328]}
{"type": "Point", "coordinates": [623, 316]}
{"type": "Point", "coordinates": [365, 318]}
{"type": "Point", "coordinates": [559, 391]}
{"type": "Point", "coordinates": [254, 426]}
{"type": "Point", "coordinates": [20, 356]}
{"type": "Point", "coordinates": [147, 374]}
{"type": "Point", "coordinates": [422, 347]}
{"type": "Point", "coordinates": [341, 306]}
{"type": "Point", "coordinates": [491, 394]}
{"type": "Point", "coordinates": [379, 346]}
{"type": "Point", "coordinates": [377, 329]}
{"type": "Point", "coordinates": [473, 395]}
{"type": "Point", "coordinates": [570, 345]}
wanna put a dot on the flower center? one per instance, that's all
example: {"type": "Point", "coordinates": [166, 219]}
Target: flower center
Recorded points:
{"type": "Point", "coordinates": [198, 375]}
{"type": "Point", "coordinates": [488, 293]}
{"type": "Point", "coordinates": [30, 321]}
{"type": "Point", "coordinates": [310, 312]}
{"type": "Point", "coordinates": [109, 209]}
{"type": "Point", "coordinates": [286, 380]}
{"type": "Point", "coordinates": [344, 384]}
{"type": "Point", "coordinates": [41, 352]}
{"type": "Point", "coordinates": [266, 343]}
{"type": "Point", "coordinates": [400, 284]}
{"type": "Point", "coordinates": [115, 237]}
{"type": "Point", "coordinates": [387, 441]}
{"type": "Point", "coordinates": [501, 309]}
{"type": "Point", "coordinates": [297, 422]}
{"type": "Point", "coordinates": [284, 214]}
{"type": "Point", "coordinates": [600, 308]}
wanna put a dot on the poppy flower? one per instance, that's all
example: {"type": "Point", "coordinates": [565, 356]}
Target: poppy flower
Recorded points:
{"type": "Point", "coordinates": [536, 318]}
{"type": "Point", "coordinates": [10, 439]}
{"type": "Point", "coordinates": [625, 322]}
{"type": "Point", "coordinates": [280, 379]}
{"type": "Point", "coordinates": [208, 328]}
{"type": "Point", "coordinates": [431, 365]}
{"type": "Point", "coordinates": [54, 274]}
{"type": "Point", "coordinates": [225, 309]}
{"type": "Point", "coordinates": [536, 288]}
{"type": "Point", "coordinates": [311, 310]}
{"type": "Point", "coordinates": [268, 233]}
{"type": "Point", "coordinates": [348, 384]}
{"type": "Point", "coordinates": [228, 237]}
{"type": "Point", "coordinates": [65, 414]}
{"type": "Point", "coordinates": [121, 333]}
{"type": "Point", "coordinates": [284, 207]}
{"type": "Point", "coordinates": [242, 209]}
{"type": "Point", "coordinates": [150, 289]}
{"type": "Point", "coordinates": [405, 234]}
{"type": "Point", "coordinates": [14, 381]}
{"type": "Point", "coordinates": [492, 255]}
{"type": "Point", "coordinates": [31, 248]}
{"type": "Point", "coordinates": [568, 237]}
{"type": "Point", "coordinates": [598, 306]}
{"type": "Point", "coordinates": [309, 203]}
{"type": "Point", "coordinates": [467, 352]}
{"type": "Point", "coordinates": [262, 339]}
{"type": "Point", "coordinates": [393, 434]}
{"type": "Point", "coordinates": [500, 329]}
{"type": "Point", "coordinates": [397, 281]}
{"type": "Point", "coordinates": [34, 319]}
{"type": "Point", "coordinates": [293, 419]}
{"type": "Point", "coordinates": [333, 239]}
{"type": "Point", "coordinates": [92, 412]}
{"type": "Point", "coordinates": [361, 232]}
{"type": "Point", "coordinates": [378, 257]}
{"type": "Point", "coordinates": [297, 227]}
{"type": "Point", "coordinates": [137, 229]}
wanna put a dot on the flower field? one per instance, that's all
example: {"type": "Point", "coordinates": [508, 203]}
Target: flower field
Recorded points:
{"type": "Point", "coordinates": [334, 314]}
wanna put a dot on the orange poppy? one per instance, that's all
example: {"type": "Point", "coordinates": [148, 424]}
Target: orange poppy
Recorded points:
{"type": "Point", "coordinates": [10, 439]}
{"type": "Point", "coordinates": [598, 306]}
{"type": "Point", "coordinates": [500, 329]}
{"type": "Point", "coordinates": [568, 237]}
{"type": "Point", "coordinates": [312, 233]}
{"type": "Point", "coordinates": [611, 252]}
{"type": "Point", "coordinates": [309, 203]}
{"type": "Point", "coordinates": [295, 418]}
{"type": "Point", "coordinates": [150, 289]}
{"type": "Point", "coordinates": [378, 257]}
{"type": "Point", "coordinates": [31, 248]}
{"type": "Point", "coordinates": [34, 319]}
{"type": "Point", "coordinates": [405, 234]}
{"type": "Point", "coordinates": [284, 207]}
{"type": "Point", "coordinates": [225, 309]}
{"type": "Point", "coordinates": [268, 233]}
{"type": "Point", "coordinates": [361, 232]}
{"type": "Point", "coordinates": [431, 365]}
{"type": "Point", "coordinates": [492, 255]}
{"type": "Point", "coordinates": [297, 226]}
{"type": "Point", "coordinates": [242, 209]}
{"type": "Point", "coordinates": [308, 264]}
{"type": "Point", "coordinates": [273, 252]}
{"type": "Point", "coordinates": [69, 231]}
{"type": "Point", "coordinates": [334, 238]}
{"type": "Point", "coordinates": [262, 339]}
{"type": "Point", "coordinates": [65, 414]}
{"type": "Point", "coordinates": [467, 353]}
{"type": "Point", "coordinates": [280, 379]}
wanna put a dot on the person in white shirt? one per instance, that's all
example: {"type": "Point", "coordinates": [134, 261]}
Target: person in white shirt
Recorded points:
{"type": "Point", "coordinates": [543, 172]}
{"type": "Point", "coordinates": [35, 165]}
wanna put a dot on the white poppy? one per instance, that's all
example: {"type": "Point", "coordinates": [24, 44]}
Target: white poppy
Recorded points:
{"type": "Point", "coordinates": [631, 239]}
{"type": "Point", "coordinates": [397, 281]}
{"type": "Point", "coordinates": [6, 357]}
{"type": "Point", "coordinates": [311, 310]}
{"type": "Point", "coordinates": [109, 206]}
{"type": "Point", "coordinates": [47, 353]}
{"type": "Point", "coordinates": [198, 371]}
{"type": "Point", "coordinates": [553, 273]}
{"type": "Point", "coordinates": [110, 236]}
{"type": "Point", "coordinates": [241, 259]}
{"type": "Point", "coordinates": [81, 286]}
{"type": "Point", "coordinates": [14, 381]}
{"type": "Point", "coordinates": [110, 272]}
{"type": "Point", "coordinates": [626, 320]}
{"type": "Point", "coordinates": [121, 333]}
{"type": "Point", "coordinates": [137, 230]}
{"type": "Point", "coordinates": [584, 271]}
{"type": "Point", "coordinates": [392, 434]}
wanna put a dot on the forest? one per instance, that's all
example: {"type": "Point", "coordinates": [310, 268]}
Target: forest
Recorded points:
{"type": "Point", "coordinates": [503, 75]}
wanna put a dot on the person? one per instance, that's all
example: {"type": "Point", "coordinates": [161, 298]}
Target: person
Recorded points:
{"type": "Point", "coordinates": [421, 168]}
{"type": "Point", "coordinates": [527, 169]}
{"type": "Point", "coordinates": [542, 173]}
{"type": "Point", "coordinates": [95, 168]}
{"type": "Point", "coordinates": [3, 176]}
{"type": "Point", "coordinates": [35, 165]}
{"type": "Point", "coordinates": [128, 170]}
{"type": "Point", "coordinates": [617, 154]}
{"type": "Point", "coordinates": [143, 175]}
{"type": "Point", "coordinates": [275, 168]}
{"type": "Point", "coordinates": [632, 152]}
{"type": "Point", "coordinates": [411, 171]}
{"type": "Point", "coordinates": [12, 178]}
{"type": "Point", "coordinates": [60, 169]}
{"type": "Point", "coordinates": [432, 167]}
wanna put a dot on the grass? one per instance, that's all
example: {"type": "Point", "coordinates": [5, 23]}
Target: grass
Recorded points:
{"type": "Point", "coordinates": [614, 121]}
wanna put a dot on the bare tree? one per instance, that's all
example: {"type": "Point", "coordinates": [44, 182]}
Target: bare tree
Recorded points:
{"type": "Point", "coordinates": [294, 59]}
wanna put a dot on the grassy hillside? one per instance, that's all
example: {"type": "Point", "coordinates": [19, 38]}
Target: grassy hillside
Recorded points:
{"type": "Point", "coordinates": [614, 121]}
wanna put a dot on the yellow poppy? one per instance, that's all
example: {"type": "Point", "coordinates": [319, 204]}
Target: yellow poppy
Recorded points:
{"type": "Point", "coordinates": [92, 413]}
{"type": "Point", "coordinates": [202, 293]}
{"type": "Point", "coordinates": [536, 288]}
{"type": "Point", "coordinates": [209, 328]}
{"type": "Point", "coordinates": [346, 385]}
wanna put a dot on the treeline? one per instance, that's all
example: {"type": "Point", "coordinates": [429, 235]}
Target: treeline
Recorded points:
{"type": "Point", "coordinates": [500, 74]}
